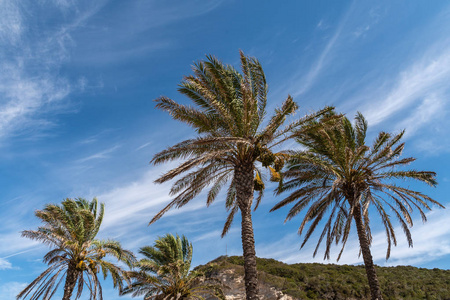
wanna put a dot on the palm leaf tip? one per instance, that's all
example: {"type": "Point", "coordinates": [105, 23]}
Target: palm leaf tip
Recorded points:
{"type": "Point", "coordinates": [164, 272]}
{"type": "Point", "coordinates": [337, 165]}
{"type": "Point", "coordinates": [228, 112]}
{"type": "Point", "coordinates": [76, 257]}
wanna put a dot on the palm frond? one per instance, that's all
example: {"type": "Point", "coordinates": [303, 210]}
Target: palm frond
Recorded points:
{"type": "Point", "coordinates": [337, 161]}
{"type": "Point", "coordinates": [70, 230]}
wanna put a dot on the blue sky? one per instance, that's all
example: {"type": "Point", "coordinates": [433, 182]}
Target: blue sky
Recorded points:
{"type": "Point", "coordinates": [77, 80]}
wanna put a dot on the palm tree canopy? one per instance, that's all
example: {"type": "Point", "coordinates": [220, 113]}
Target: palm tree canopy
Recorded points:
{"type": "Point", "coordinates": [168, 250]}
{"type": "Point", "coordinates": [228, 114]}
{"type": "Point", "coordinates": [338, 173]}
{"type": "Point", "coordinates": [164, 272]}
{"type": "Point", "coordinates": [70, 230]}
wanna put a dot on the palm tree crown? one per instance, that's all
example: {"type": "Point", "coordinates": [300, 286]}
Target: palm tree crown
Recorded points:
{"type": "Point", "coordinates": [164, 273]}
{"type": "Point", "coordinates": [339, 176]}
{"type": "Point", "coordinates": [229, 111]}
{"type": "Point", "coordinates": [70, 230]}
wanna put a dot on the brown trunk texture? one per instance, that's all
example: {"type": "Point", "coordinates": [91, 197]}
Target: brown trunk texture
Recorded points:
{"type": "Point", "coordinates": [71, 280]}
{"type": "Point", "coordinates": [244, 178]}
{"type": "Point", "coordinates": [374, 285]}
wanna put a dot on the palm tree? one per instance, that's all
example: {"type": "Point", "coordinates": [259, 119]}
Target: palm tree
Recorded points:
{"type": "Point", "coordinates": [164, 273]}
{"type": "Point", "coordinates": [337, 174]}
{"type": "Point", "coordinates": [228, 115]}
{"type": "Point", "coordinates": [70, 230]}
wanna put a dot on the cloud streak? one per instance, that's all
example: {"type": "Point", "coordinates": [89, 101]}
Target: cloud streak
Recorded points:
{"type": "Point", "coordinates": [105, 154]}
{"type": "Point", "coordinates": [129, 37]}
{"type": "Point", "coordinates": [10, 290]}
{"type": "Point", "coordinates": [4, 264]}
{"type": "Point", "coordinates": [310, 78]}
{"type": "Point", "coordinates": [31, 88]}
{"type": "Point", "coordinates": [11, 24]}
{"type": "Point", "coordinates": [431, 243]}
{"type": "Point", "coordinates": [431, 108]}
{"type": "Point", "coordinates": [421, 80]}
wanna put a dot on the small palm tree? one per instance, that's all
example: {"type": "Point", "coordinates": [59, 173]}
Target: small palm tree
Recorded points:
{"type": "Point", "coordinates": [228, 116]}
{"type": "Point", "coordinates": [339, 176]}
{"type": "Point", "coordinates": [164, 273]}
{"type": "Point", "coordinates": [70, 230]}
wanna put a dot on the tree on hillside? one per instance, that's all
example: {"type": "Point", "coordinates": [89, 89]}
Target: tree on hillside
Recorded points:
{"type": "Point", "coordinates": [164, 273]}
{"type": "Point", "coordinates": [338, 176]}
{"type": "Point", "coordinates": [228, 115]}
{"type": "Point", "coordinates": [76, 256]}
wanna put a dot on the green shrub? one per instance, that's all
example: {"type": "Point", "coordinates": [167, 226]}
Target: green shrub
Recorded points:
{"type": "Point", "coordinates": [329, 281]}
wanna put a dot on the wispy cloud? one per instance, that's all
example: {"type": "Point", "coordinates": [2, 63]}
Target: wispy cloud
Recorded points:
{"type": "Point", "coordinates": [308, 80]}
{"type": "Point", "coordinates": [4, 264]}
{"type": "Point", "coordinates": [99, 155]}
{"type": "Point", "coordinates": [374, 16]}
{"type": "Point", "coordinates": [143, 146]}
{"type": "Point", "coordinates": [11, 24]}
{"type": "Point", "coordinates": [214, 234]}
{"type": "Point", "coordinates": [431, 242]}
{"type": "Point", "coordinates": [27, 100]}
{"type": "Point", "coordinates": [322, 25]}
{"type": "Point", "coordinates": [30, 86]}
{"type": "Point", "coordinates": [423, 79]}
{"type": "Point", "coordinates": [134, 203]}
{"type": "Point", "coordinates": [431, 108]}
{"type": "Point", "coordinates": [129, 37]}
{"type": "Point", "coordinates": [13, 244]}
{"type": "Point", "coordinates": [10, 290]}
{"type": "Point", "coordinates": [409, 88]}
{"type": "Point", "coordinates": [129, 208]}
{"type": "Point", "coordinates": [311, 76]}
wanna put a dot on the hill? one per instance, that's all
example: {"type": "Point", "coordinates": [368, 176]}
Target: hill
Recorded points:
{"type": "Point", "coordinates": [328, 281]}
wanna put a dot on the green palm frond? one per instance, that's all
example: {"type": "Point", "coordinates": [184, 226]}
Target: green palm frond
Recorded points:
{"type": "Point", "coordinates": [338, 173]}
{"type": "Point", "coordinates": [228, 113]}
{"type": "Point", "coordinates": [164, 272]}
{"type": "Point", "coordinates": [70, 229]}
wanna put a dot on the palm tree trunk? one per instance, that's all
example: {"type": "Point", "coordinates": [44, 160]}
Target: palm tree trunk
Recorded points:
{"type": "Point", "coordinates": [374, 285]}
{"type": "Point", "coordinates": [71, 280]}
{"type": "Point", "coordinates": [244, 195]}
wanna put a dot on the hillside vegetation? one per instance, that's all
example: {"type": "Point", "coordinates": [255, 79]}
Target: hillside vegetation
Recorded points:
{"type": "Point", "coordinates": [329, 281]}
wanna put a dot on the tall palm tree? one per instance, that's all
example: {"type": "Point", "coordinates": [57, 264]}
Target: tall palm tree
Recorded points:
{"type": "Point", "coordinates": [228, 115]}
{"type": "Point", "coordinates": [70, 230]}
{"type": "Point", "coordinates": [164, 273]}
{"type": "Point", "coordinates": [337, 174]}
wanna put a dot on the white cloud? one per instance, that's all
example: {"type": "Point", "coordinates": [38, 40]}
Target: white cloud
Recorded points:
{"type": "Point", "coordinates": [373, 17]}
{"type": "Point", "coordinates": [99, 155]}
{"type": "Point", "coordinates": [64, 3]}
{"type": "Point", "coordinates": [143, 146]}
{"type": "Point", "coordinates": [355, 22]}
{"type": "Point", "coordinates": [130, 37]}
{"type": "Point", "coordinates": [13, 244]}
{"type": "Point", "coordinates": [309, 79]}
{"type": "Point", "coordinates": [9, 290]}
{"type": "Point", "coordinates": [322, 25]}
{"type": "Point", "coordinates": [431, 108]}
{"type": "Point", "coordinates": [135, 203]}
{"type": "Point", "coordinates": [4, 264]}
{"type": "Point", "coordinates": [26, 99]}
{"type": "Point", "coordinates": [214, 234]}
{"type": "Point", "coordinates": [11, 25]}
{"type": "Point", "coordinates": [421, 80]}
{"type": "Point", "coordinates": [431, 243]}
{"type": "Point", "coordinates": [130, 207]}
{"type": "Point", "coordinates": [29, 87]}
